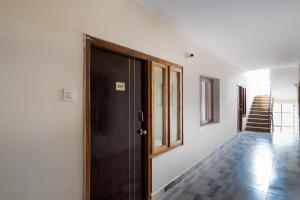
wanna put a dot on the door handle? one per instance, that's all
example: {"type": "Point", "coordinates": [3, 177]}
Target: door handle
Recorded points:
{"type": "Point", "coordinates": [141, 116]}
{"type": "Point", "coordinates": [142, 132]}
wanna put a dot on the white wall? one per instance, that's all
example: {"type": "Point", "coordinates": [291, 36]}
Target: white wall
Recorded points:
{"type": "Point", "coordinates": [199, 142]}
{"type": "Point", "coordinates": [41, 52]}
{"type": "Point", "coordinates": [283, 82]}
{"type": "Point", "coordinates": [251, 92]}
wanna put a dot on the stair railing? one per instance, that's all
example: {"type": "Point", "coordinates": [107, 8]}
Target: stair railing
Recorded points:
{"type": "Point", "coordinates": [272, 114]}
{"type": "Point", "coordinates": [271, 102]}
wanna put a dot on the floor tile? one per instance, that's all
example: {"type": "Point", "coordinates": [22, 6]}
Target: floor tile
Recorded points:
{"type": "Point", "coordinates": [253, 166]}
{"type": "Point", "coordinates": [276, 197]}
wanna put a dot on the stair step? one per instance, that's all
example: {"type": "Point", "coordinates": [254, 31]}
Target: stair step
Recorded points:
{"type": "Point", "coordinates": [259, 112]}
{"type": "Point", "coordinates": [260, 108]}
{"type": "Point", "coordinates": [258, 116]}
{"type": "Point", "coordinates": [264, 96]}
{"type": "Point", "coordinates": [260, 104]}
{"type": "Point", "coordinates": [258, 120]}
{"type": "Point", "coordinates": [258, 125]}
{"type": "Point", "coordinates": [266, 130]}
{"type": "Point", "coordinates": [261, 100]}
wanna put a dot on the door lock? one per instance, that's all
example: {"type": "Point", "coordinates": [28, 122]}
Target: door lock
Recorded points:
{"type": "Point", "coordinates": [142, 131]}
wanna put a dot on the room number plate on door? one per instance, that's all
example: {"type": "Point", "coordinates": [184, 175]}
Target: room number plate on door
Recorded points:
{"type": "Point", "coordinates": [120, 86]}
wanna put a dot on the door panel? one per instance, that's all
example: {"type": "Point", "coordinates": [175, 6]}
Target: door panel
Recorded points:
{"type": "Point", "coordinates": [240, 108]}
{"type": "Point", "coordinates": [116, 157]}
{"type": "Point", "coordinates": [137, 123]}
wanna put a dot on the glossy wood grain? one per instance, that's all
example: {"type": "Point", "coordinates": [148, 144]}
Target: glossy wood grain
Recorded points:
{"type": "Point", "coordinates": [92, 42]}
{"type": "Point", "coordinates": [116, 147]}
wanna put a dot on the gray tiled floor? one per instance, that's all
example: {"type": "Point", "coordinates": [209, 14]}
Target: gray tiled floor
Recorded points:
{"type": "Point", "coordinates": [252, 166]}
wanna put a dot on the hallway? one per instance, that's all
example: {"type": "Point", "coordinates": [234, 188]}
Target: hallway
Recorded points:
{"type": "Point", "coordinates": [249, 167]}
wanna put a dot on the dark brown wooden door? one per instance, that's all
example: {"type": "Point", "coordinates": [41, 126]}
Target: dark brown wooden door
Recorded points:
{"type": "Point", "coordinates": [116, 116]}
{"type": "Point", "coordinates": [240, 108]}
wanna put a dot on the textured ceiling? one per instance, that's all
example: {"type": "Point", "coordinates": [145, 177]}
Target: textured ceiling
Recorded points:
{"type": "Point", "coordinates": [248, 33]}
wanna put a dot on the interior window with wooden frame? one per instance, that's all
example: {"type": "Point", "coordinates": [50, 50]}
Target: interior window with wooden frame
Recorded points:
{"type": "Point", "coordinates": [175, 106]}
{"type": "Point", "coordinates": [159, 76]}
{"type": "Point", "coordinates": [167, 131]}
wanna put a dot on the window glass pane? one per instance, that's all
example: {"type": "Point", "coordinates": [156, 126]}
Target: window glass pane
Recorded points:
{"type": "Point", "coordinates": [277, 119]}
{"type": "Point", "coordinates": [277, 107]}
{"type": "Point", "coordinates": [206, 100]}
{"type": "Point", "coordinates": [284, 117]}
{"type": "Point", "coordinates": [287, 107]}
{"type": "Point", "coordinates": [209, 100]}
{"type": "Point", "coordinates": [203, 101]}
{"type": "Point", "coordinates": [287, 129]}
{"type": "Point", "coordinates": [277, 129]}
{"type": "Point", "coordinates": [287, 119]}
{"type": "Point", "coordinates": [174, 106]}
{"type": "Point", "coordinates": [158, 106]}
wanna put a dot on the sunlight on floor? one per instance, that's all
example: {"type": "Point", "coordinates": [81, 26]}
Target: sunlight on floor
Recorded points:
{"type": "Point", "coordinates": [261, 166]}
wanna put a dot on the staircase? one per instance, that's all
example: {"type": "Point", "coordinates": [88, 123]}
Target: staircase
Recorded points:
{"type": "Point", "coordinates": [260, 117]}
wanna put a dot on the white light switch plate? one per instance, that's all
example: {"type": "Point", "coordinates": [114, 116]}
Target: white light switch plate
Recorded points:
{"type": "Point", "coordinates": [69, 95]}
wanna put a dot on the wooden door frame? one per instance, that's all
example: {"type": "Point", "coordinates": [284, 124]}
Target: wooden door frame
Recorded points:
{"type": "Point", "coordinates": [239, 113]}
{"type": "Point", "coordinates": [242, 99]}
{"type": "Point", "coordinates": [90, 42]}
{"type": "Point", "coordinates": [298, 90]}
